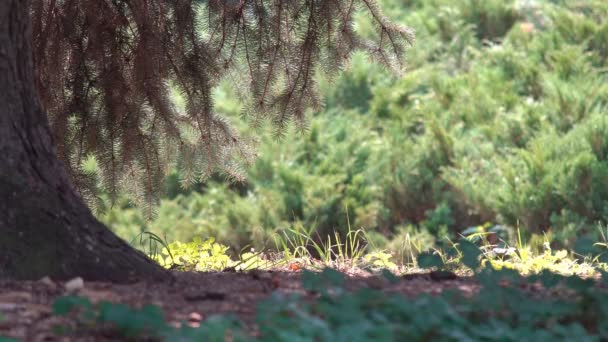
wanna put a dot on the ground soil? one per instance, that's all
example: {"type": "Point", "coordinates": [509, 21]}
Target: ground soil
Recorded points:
{"type": "Point", "coordinates": [25, 307]}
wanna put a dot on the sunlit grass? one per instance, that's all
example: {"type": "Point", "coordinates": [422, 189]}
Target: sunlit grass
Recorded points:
{"type": "Point", "coordinates": [298, 248]}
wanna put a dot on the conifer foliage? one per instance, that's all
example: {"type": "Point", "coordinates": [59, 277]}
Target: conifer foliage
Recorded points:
{"type": "Point", "coordinates": [104, 70]}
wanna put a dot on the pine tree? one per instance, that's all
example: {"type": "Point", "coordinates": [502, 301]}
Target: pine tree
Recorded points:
{"type": "Point", "coordinates": [101, 70]}
{"type": "Point", "coordinates": [111, 98]}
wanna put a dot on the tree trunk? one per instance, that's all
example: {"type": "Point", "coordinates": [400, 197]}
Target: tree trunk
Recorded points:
{"type": "Point", "coordinates": [45, 228]}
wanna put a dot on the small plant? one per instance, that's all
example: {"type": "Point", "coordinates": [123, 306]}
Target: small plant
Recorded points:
{"type": "Point", "coordinates": [333, 251]}
{"type": "Point", "coordinates": [129, 322]}
{"type": "Point", "coordinates": [354, 251]}
{"type": "Point", "coordinates": [603, 243]}
{"type": "Point", "coordinates": [380, 260]}
{"type": "Point", "coordinates": [257, 260]}
{"type": "Point", "coordinates": [197, 255]}
{"type": "Point", "coordinates": [150, 243]}
{"type": "Point", "coordinates": [504, 313]}
{"type": "Point", "coordinates": [140, 323]}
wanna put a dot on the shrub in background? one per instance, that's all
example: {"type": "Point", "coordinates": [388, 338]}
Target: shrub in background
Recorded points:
{"type": "Point", "coordinates": [500, 118]}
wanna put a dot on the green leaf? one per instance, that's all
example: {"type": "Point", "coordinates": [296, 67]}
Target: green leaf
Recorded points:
{"type": "Point", "coordinates": [332, 277]}
{"type": "Point", "coordinates": [579, 284]}
{"type": "Point", "coordinates": [321, 282]}
{"type": "Point", "coordinates": [388, 275]}
{"type": "Point", "coordinates": [550, 279]}
{"type": "Point", "coordinates": [585, 246]}
{"type": "Point", "coordinates": [429, 260]}
{"type": "Point", "coordinates": [604, 275]}
{"type": "Point", "coordinates": [6, 339]}
{"type": "Point", "coordinates": [470, 254]}
{"type": "Point", "coordinates": [64, 305]}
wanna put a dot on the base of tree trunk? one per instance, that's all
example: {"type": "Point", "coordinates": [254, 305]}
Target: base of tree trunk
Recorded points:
{"type": "Point", "coordinates": [45, 227]}
{"type": "Point", "coordinates": [46, 237]}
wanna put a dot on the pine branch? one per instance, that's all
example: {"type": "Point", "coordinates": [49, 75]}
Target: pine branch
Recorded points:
{"type": "Point", "coordinates": [103, 69]}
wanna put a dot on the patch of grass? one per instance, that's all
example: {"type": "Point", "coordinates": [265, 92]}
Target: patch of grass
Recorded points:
{"type": "Point", "coordinates": [475, 250]}
{"type": "Point", "coordinates": [332, 251]}
{"type": "Point", "coordinates": [296, 246]}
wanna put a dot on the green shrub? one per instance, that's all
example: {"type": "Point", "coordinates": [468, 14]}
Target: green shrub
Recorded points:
{"type": "Point", "coordinates": [499, 118]}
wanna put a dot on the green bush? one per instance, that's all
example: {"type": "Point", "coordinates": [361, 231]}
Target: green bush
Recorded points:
{"type": "Point", "coordinates": [500, 117]}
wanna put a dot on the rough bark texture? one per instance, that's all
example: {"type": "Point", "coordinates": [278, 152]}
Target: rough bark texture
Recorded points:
{"type": "Point", "coordinates": [45, 228]}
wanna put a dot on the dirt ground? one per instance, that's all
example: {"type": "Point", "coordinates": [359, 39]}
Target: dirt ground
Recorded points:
{"type": "Point", "coordinates": [25, 307]}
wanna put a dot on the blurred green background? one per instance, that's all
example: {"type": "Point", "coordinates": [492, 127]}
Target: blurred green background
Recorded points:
{"type": "Point", "coordinates": [500, 121]}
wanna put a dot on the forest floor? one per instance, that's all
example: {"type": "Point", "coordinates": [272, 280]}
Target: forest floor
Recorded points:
{"type": "Point", "coordinates": [26, 306]}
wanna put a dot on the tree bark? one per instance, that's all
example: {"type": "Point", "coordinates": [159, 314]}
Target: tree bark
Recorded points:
{"type": "Point", "coordinates": [45, 227]}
